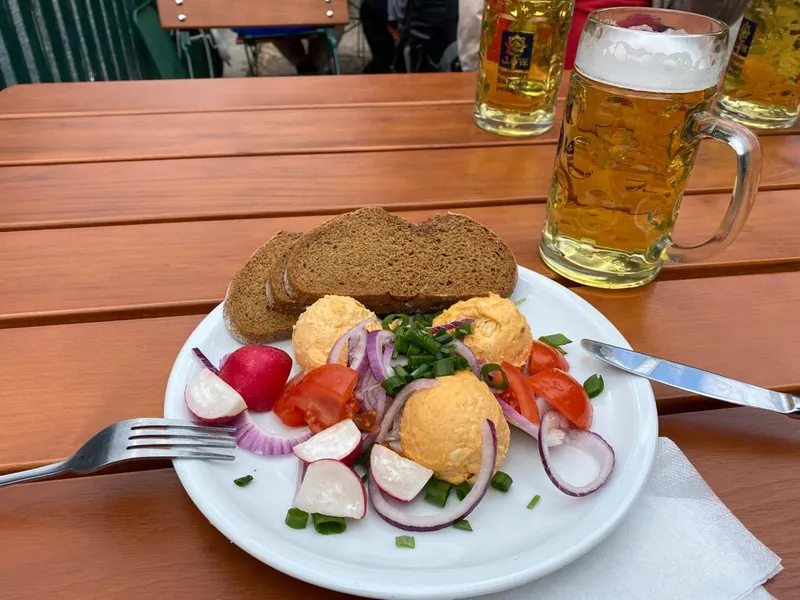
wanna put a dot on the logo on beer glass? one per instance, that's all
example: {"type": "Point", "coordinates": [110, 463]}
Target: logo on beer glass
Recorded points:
{"type": "Point", "coordinates": [516, 49]}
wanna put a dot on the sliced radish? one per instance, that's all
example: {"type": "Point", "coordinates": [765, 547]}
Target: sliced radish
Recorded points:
{"type": "Point", "coordinates": [338, 442]}
{"type": "Point", "coordinates": [399, 477]}
{"type": "Point", "coordinates": [212, 400]}
{"type": "Point", "coordinates": [332, 488]}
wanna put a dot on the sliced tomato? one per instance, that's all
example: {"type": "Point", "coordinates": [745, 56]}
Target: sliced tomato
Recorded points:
{"type": "Point", "coordinates": [323, 396]}
{"type": "Point", "coordinates": [564, 393]}
{"type": "Point", "coordinates": [524, 396]}
{"type": "Point", "coordinates": [285, 409]}
{"type": "Point", "coordinates": [544, 356]}
{"type": "Point", "coordinates": [366, 421]}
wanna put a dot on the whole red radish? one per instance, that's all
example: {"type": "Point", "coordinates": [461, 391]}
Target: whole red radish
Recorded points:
{"type": "Point", "coordinates": [258, 373]}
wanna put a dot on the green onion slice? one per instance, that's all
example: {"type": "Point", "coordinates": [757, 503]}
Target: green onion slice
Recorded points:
{"type": "Point", "coordinates": [436, 492]}
{"type": "Point", "coordinates": [534, 501]}
{"type": "Point", "coordinates": [487, 370]}
{"type": "Point", "coordinates": [296, 518]}
{"type": "Point", "coordinates": [327, 525]}
{"type": "Point", "coordinates": [404, 541]}
{"type": "Point", "coordinates": [243, 481]}
{"type": "Point", "coordinates": [502, 481]}
{"type": "Point", "coordinates": [463, 524]}
{"type": "Point", "coordinates": [594, 385]}
{"type": "Point", "coordinates": [462, 490]}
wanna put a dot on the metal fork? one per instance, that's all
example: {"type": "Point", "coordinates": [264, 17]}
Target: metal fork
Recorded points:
{"type": "Point", "coordinates": [137, 439]}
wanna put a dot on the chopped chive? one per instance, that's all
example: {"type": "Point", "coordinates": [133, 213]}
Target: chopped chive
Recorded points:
{"type": "Point", "coordinates": [462, 489]}
{"type": "Point", "coordinates": [534, 501]}
{"type": "Point", "coordinates": [405, 541]}
{"type": "Point", "coordinates": [421, 372]}
{"type": "Point", "coordinates": [243, 481]}
{"type": "Point", "coordinates": [413, 349]}
{"type": "Point", "coordinates": [400, 371]}
{"type": "Point", "coordinates": [594, 385]}
{"type": "Point", "coordinates": [502, 481]}
{"type": "Point", "coordinates": [520, 301]}
{"type": "Point", "coordinates": [424, 340]}
{"type": "Point", "coordinates": [461, 363]}
{"type": "Point", "coordinates": [327, 525]}
{"type": "Point", "coordinates": [443, 367]}
{"type": "Point", "coordinates": [400, 344]}
{"type": "Point", "coordinates": [463, 330]}
{"type": "Point", "coordinates": [443, 338]}
{"type": "Point", "coordinates": [393, 385]}
{"type": "Point", "coordinates": [463, 524]}
{"type": "Point", "coordinates": [388, 320]}
{"type": "Point", "coordinates": [486, 373]}
{"type": "Point", "coordinates": [436, 492]}
{"type": "Point", "coordinates": [418, 361]}
{"type": "Point", "coordinates": [556, 340]}
{"type": "Point", "coordinates": [296, 518]}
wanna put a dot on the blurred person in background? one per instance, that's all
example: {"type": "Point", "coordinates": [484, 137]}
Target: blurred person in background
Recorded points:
{"type": "Point", "coordinates": [471, 15]}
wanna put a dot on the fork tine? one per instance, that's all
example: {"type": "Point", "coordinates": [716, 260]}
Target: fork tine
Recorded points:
{"type": "Point", "coordinates": [144, 434]}
{"type": "Point", "coordinates": [166, 453]}
{"type": "Point", "coordinates": [136, 424]}
{"type": "Point", "coordinates": [168, 443]}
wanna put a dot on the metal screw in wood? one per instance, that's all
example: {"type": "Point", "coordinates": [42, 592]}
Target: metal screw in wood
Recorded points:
{"type": "Point", "coordinates": [329, 14]}
{"type": "Point", "coordinates": [181, 18]}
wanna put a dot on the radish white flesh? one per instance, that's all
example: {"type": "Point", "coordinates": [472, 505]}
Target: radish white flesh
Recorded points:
{"type": "Point", "coordinates": [338, 442]}
{"type": "Point", "coordinates": [212, 400]}
{"type": "Point", "coordinates": [332, 488]}
{"type": "Point", "coordinates": [399, 477]}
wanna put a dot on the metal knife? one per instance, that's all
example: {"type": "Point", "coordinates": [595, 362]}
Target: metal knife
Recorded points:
{"type": "Point", "coordinates": [694, 380]}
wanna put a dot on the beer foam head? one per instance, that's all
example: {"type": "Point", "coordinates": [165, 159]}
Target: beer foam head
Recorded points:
{"type": "Point", "coordinates": [641, 58]}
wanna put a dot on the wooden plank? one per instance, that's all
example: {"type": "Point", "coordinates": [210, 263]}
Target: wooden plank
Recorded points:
{"type": "Point", "coordinates": [63, 383]}
{"type": "Point", "coordinates": [185, 267]}
{"type": "Point", "coordinates": [246, 13]}
{"type": "Point", "coordinates": [238, 94]}
{"type": "Point", "coordinates": [186, 135]}
{"type": "Point", "coordinates": [129, 524]}
{"type": "Point", "coordinates": [151, 191]}
{"type": "Point", "coordinates": [233, 94]}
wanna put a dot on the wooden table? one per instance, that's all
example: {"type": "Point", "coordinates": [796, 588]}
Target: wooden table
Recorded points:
{"type": "Point", "coordinates": [125, 208]}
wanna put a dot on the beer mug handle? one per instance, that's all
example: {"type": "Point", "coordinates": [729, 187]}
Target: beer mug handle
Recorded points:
{"type": "Point", "coordinates": [748, 173]}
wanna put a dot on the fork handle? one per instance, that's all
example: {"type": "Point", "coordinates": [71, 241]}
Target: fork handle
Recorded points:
{"type": "Point", "coordinates": [44, 472]}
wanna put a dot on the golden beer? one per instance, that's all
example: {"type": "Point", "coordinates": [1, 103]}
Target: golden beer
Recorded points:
{"type": "Point", "coordinates": [521, 60]}
{"type": "Point", "coordinates": [621, 168]}
{"type": "Point", "coordinates": [762, 83]}
{"type": "Point", "coordinates": [634, 116]}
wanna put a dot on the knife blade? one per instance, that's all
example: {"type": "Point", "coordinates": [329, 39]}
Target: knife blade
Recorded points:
{"type": "Point", "coordinates": [691, 379]}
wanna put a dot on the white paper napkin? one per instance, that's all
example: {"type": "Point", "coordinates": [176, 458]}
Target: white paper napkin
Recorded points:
{"type": "Point", "coordinates": [679, 542]}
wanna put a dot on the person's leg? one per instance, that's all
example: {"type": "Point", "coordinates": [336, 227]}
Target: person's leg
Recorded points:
{"type": "Point", "coordinates": [295, 53]}
{"type": "Point", "coordinates": [375, 22]}
{"type": "Point", "coordinates": [319, 51]}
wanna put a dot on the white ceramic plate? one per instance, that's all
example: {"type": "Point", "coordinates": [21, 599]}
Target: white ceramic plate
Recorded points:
{"type": "Point", "coordinates": [509, 545]}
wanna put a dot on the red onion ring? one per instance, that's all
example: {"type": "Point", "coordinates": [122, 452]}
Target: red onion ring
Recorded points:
{"type": "Point", "coordinates": [249, 436]}
{"type": "Point", "coordinates": [398, 403]}
{"type": "Point", "coordinates": [588, 441]}
{"type": "Point", "coordinates": [357, 351]}
{"type": "Point", "coordinates": [338, 347]}
{"type": "Point", "coordinates": [451, 325]}
{"type": "Point", "coordinates": [555, 436]}
{"type": "Point", "coordinates": [455, 511]}
{"type": "Point", "coordinates": [466, 352]}
{"type": "Point", "coordinates": [375, 343]}
{"type": "Point", "coordinates": [204, 361]}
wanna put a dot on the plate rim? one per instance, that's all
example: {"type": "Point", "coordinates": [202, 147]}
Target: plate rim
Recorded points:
{"type": "Point", "coordinates": [648, 440]}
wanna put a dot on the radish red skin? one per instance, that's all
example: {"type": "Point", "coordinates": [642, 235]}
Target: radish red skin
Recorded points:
{"type": "Point", "coordinates": [258, 373]}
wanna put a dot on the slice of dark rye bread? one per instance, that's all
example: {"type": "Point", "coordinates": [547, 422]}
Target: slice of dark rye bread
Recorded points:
{"type": "Point", "coordinates": [390, 264]}
{"type": "Point", "coordinates": [247, 316]}
{"type": "Point", "coordinates": [277, 297]}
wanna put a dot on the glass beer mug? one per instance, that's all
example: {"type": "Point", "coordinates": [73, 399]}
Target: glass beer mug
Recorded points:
{"type": "Point", "coordinates": [636, 110]}
{"type": "Point", "coordinates": [762, 83]}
